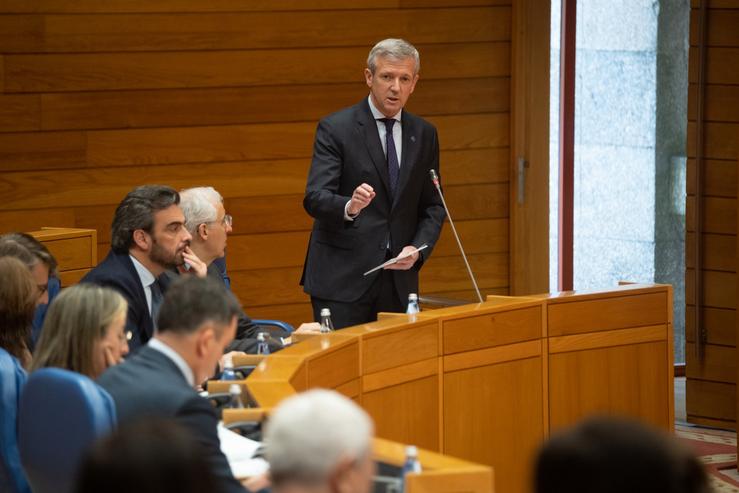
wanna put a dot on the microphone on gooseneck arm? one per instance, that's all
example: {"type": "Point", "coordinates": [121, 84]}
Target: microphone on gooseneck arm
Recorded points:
{"type": "Point", "coordinates": [435, 180]}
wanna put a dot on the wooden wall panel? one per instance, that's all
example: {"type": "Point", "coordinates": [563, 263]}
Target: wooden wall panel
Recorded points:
{"type": "Point", "coordinates": [99, 97]}
{"type": "Point", "coordinates": [133, 6]}
{"type": "Point", "coordinates": [711, 380]}
{"type": "Point", "coordinates": [233, 31]}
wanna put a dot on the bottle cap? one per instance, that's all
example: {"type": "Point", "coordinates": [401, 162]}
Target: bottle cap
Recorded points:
{"type": "Point", "coordinates": [413, 297]}
{"type": "Point", "coordinates": [411, 451]}
{"type": "Point", "coordinates": [325, 312]}
{"type": "Point", "coordinates": [261, 337]}
{"type": "Point", "coordinates": [228, 361]}
{"type": "Point", "coordinates": [235, 388]}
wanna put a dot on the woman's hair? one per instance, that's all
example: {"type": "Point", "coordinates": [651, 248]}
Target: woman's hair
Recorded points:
{"type": "Point", "coordinates": [76, 319]}
{"type": "Point", "coordinates": [17, 305]}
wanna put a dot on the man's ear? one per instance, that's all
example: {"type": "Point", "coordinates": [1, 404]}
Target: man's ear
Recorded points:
{"type": "Point", "coordinates": [206, 337]}
{"type": "Point", "coordinates": [368, 77]}
{"type": "Point", "coordinates": [203, 231]}
{"type": "Point", "coordinates": [341, 477]}
{"type": "Point", "coordinates": [142, 239]}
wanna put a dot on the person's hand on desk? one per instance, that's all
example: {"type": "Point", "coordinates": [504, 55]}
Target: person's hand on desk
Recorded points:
{"type": "Point", "coordinates": [305, 328]}
{"type": "Point", "coordinates": [361, 198]}
{"type": "Point", "coordinates": [407, 262]}
{"type": "Point", "coordinates": [230, 354]}
{"type": "Point", "coordinates": [308, 328]}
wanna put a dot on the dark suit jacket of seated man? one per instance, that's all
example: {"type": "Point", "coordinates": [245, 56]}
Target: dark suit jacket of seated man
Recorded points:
{"type": "Point", "coordinates": [147, 238]}
{"type": "Point", "coordinates": [197, 321]}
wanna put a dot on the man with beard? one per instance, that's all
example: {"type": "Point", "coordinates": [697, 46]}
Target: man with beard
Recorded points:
{"type": "Point", "coordinates": [148, 237]}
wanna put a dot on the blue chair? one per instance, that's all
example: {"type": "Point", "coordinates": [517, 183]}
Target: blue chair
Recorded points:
{"type": "Point", "coordinates": [61, 414]}
{"type": "Point", "coordinates": [12, 379]}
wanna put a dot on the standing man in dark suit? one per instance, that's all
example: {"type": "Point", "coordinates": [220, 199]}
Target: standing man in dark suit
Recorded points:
{"type": "Point", "coordinates": [370, 194]}
{"type": "Point", "coordinates": [148, 236]}
{"type": "Point", "coordinates": [196, 322]}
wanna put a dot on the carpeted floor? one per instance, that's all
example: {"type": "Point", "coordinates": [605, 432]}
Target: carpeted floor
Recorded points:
{"type": "Point", "coordinates": [717, 449]}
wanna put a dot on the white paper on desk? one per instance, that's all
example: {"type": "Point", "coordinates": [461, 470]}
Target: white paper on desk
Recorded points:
{"type": "Point", "coordinates": [395, 259]}
{"type": "Point", "coordinates": [239, 451]}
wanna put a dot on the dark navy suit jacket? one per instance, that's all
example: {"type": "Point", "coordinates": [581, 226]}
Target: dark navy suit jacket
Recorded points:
{"type": "Point", "coordinates": [149, 384]}
{"type": "Point", "coordinates": [347, 152]}
{"type": "Point", "coordinates": [118, 272]}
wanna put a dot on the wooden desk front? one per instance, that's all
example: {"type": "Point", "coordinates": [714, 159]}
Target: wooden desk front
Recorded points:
{"type": "Point", "coordinates": [487, 382]}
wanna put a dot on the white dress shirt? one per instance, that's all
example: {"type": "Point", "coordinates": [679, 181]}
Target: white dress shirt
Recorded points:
{"type": "Point", "coordinates": [147, 279]}
{"type": "Point", "coordinates": [382, 130]}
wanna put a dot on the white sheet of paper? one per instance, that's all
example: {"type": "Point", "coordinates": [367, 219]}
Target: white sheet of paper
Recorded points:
{"type": "Point", "coordinates": [248, 468]}
{"type": "Point", "coordinates": [235, 447]}
{"type": "Point", "coordinates": [395, 259]}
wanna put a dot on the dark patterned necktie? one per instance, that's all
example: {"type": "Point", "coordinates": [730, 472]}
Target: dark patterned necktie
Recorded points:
{"type": "Point", "coordinates": [156, 301]}
{"type": "Point", "coordinates": [393, 167]}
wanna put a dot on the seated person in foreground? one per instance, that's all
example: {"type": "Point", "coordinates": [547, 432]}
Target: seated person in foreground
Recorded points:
{"type": "Point", "coordinates": [319, 441]}
{"type": "Point", "coordinates": [42, 265]}
{"type": "Point", "coordinates": [84, 331]}
{"type": "Point", "coordinates": [148, 237]}
{"type": "Point", "coordinates": [153, 456]}
{"type": "Point", "coordinates": [209, 225]}
{"type": "Point", "coordinates": [196, 322]}
{"type": "Point", "coordinates": [611, 455]}
{"type": "Point", "coordinates": [18, 296]}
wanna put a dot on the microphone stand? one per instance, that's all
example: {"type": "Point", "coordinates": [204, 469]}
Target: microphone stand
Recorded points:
{"type": "Point", "coordinates": [435, 180]}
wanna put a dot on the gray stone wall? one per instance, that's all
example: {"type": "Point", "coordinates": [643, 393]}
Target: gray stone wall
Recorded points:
{"type": "Point", "coordinates": [630, 125]}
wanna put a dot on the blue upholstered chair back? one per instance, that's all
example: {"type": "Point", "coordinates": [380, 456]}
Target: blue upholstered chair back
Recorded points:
{"type": "Point", "coordinates": [12, 379]}
{"type": "Point", "coordinates": [61, 414]}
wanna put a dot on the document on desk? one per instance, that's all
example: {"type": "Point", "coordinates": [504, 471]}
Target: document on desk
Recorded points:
{"type": "Point", "coordinates": [239, 451]}
{"type": "Point", "coordinates": [395, 259]}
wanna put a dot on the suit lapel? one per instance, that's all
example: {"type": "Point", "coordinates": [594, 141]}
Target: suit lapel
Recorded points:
{"type": "Point", "coordinates": [368, 129]}
{"type": "Point", "coordinates": [409, 152]}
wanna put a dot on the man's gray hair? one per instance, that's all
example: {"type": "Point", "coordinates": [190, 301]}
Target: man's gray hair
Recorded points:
{"type": "Point", "coordinates": [199, 206]}
{"type": "Point", "coordinates": [396, 49]}
{"type": "Point", "coordinates": [310, 433]}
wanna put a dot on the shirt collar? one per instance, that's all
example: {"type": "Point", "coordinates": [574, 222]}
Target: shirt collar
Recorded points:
{"type": "Point", "coordinates": [147, 278]}
{"type": "Point", "coordinates": [377, 114]}
{"type": "Point", "coordinates": [173, 355]}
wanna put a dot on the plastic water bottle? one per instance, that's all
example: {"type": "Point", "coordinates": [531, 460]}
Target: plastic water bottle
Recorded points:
{"type": "Point", "coordinates": [262, 346]}
{"type": "Point", "coordinates": [412, 304]}
{"type": "Point", "coordinates": [228, 369]}
{"type": "Point", "coordinates": [326, 324]}
{"type": "Point", "coordinates": [411, 464]}
{"type": "Point", "coordinates": [235, 402]}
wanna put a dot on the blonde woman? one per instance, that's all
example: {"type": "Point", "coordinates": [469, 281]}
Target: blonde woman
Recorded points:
{"type": "Point", "coordinates": [84, 331]}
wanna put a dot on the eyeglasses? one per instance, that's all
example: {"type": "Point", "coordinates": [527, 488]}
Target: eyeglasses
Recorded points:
{"type": "Point", "coordinates": [226, 222]}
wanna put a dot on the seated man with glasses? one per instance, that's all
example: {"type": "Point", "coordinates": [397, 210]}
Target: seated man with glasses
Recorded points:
{"type": "Point", "coordinates": [209, 225]}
